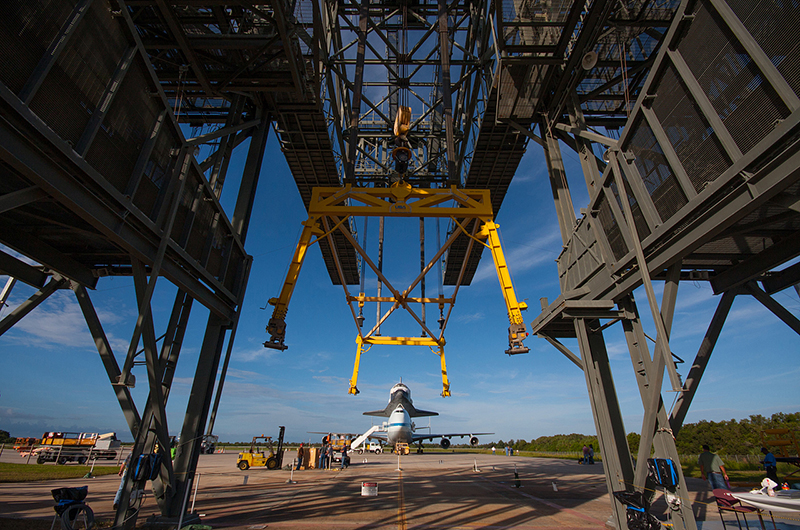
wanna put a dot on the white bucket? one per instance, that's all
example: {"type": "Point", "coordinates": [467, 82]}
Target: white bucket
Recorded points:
{"type": "Point", "coordinates": [369, 489]}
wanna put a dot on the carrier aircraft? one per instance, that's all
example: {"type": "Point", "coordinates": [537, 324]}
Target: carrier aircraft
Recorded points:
{"type": "Point", "coordinates": [400, 428]}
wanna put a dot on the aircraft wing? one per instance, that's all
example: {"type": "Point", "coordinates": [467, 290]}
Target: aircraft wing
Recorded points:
{"type": "Point", "coordinates": [382, 412]}
{"type": "Point", "coordinates": [419, 412]}
{"type": "Point", "coordinates": [431, 437]}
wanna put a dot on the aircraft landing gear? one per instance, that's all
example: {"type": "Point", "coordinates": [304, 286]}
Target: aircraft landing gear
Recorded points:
{"type": "Point", "coordinates": [419, 449]}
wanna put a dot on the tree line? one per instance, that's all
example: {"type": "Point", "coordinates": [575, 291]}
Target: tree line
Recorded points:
{"type": "Point", "coordinates": [733, 437]}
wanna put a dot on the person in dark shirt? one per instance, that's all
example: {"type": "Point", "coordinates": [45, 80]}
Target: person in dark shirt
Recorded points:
{"type": "Point", "coordinates": [770, 465]}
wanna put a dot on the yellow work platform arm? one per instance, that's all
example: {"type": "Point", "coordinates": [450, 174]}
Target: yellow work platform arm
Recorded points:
{"type": "Point", "coordinates": [516, 330]}
{"type": "Point", "coordinates": [277, 324]}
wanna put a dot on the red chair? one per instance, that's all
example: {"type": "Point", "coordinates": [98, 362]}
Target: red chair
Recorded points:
{"type": "Point", "coordinates": [729, 503]}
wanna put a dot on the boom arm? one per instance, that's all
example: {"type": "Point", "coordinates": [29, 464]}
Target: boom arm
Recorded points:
{"type": "Point", "coordinates": [277, 325]}
{"type": "Point", "coordinates": [516, 330]}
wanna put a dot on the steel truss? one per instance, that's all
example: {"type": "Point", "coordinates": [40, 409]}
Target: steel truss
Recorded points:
{"type": "Point", "coordinates": [687, 191]}
{"type": "Point", "coordinates": [98, 181]}
{"type": "Point", "coordinates": [434, 57]}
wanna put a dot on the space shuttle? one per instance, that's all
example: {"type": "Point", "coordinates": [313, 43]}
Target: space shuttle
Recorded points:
{"type": "Point", "coordinates": [400, 395]}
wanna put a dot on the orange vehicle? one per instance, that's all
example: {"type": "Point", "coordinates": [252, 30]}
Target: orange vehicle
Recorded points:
{"type": "Point", "coordinates": [23, 445]}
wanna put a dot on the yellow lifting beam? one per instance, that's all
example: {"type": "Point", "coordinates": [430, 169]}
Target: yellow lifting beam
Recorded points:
{"type": "Point", "coordinates": [401, 341]}
{"type": "Point", "coordinates": [399, 200]}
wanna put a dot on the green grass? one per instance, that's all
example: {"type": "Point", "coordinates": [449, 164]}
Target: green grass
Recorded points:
{"type": "Point", "coordinates": [34, 472]}
{"type": "Point", "coordinates": [738, 471]}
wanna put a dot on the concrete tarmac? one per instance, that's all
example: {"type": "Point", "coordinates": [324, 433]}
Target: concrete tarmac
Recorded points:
{"type": "Point", "coordinates": [430, 491]}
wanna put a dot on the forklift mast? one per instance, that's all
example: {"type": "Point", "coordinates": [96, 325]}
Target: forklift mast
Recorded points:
{"type": "Point", "coordinates": [279, 450]}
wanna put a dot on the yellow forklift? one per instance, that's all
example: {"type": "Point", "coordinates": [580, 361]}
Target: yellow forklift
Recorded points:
{"type": "Point", "coordinates": [401, 448]}
{"type": "Point", "coordinates": [261, 453]}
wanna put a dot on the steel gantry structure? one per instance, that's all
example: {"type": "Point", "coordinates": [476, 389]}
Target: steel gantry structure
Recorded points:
{"type": "Point", "coordinates": [683, 114]}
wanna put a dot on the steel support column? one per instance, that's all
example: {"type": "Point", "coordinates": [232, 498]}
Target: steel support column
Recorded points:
{"type": "Point", "coordinates": [145, 436]}
{"type": "Point", "coordinates": [224, 371]}
{"type": "Point", "coordinates": [188, 452]}
{"type": "Point", "coordinates": [617, 462]}
{"type": "Point", "coordinates": [250, 177]}
{"type": "Point", "coordinates": [649, 373]}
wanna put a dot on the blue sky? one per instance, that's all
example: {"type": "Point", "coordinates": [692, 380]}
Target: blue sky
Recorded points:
{"type": "Point", "coordinates": [52, 377]}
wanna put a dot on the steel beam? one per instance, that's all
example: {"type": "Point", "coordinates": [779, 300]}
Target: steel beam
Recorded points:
{"type": "Point", "coordinates": [100, 112]}
{"type": "Point", "coordinates": [16, 199]}
{"type": "Point", "coordinates": [355, 105]}
{"type": "Point", "coordinates": [777, 281]}
{"type": "Point", "coordinates": [144, 155]}
{"type": "Point", "coordinates": [749, 269]}
{"type": "Point", "coordinates": [663, 336]}
{"type": "Point", "coordinates": [681, 406]}
{"type": "Point", "coordinates": [22, 271]}
{"type": "Point", "coordinates": [186, 49]}
{"type": "Point", "coordinates": [444, 55]}
{"type": "Point", "coordinates": [31, 303]}
{"type": "Point", "coordinates": [219, 168]}
{"type": "Point", "coordinates": [565, 212]}
{"type": "Point", "coordinates": [177, 181]}
{"type": "Point", "coordinates": [36, 249]}
{"type": "Point", "coordinates": [777, 309]}
{"type": "Point", "coordinates": [576, 360]}
{"type": "Point", "coordinates": [107, 356]}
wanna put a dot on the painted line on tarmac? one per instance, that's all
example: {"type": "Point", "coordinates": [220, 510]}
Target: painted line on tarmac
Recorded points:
{"type": "Point", "coordinates": [401, 503]}
{"type": "Point", "coordinates": [551, 504]}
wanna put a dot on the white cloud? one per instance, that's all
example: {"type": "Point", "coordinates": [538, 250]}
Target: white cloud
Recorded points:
{"type": "Point", "coordinates": [57, 322]}
{"type": "Point", "coordinates": [471, 317]}
{"type": "Point", "coordinates": [259, 353]}
{"type": "Point", "coordinates": [522, 257]}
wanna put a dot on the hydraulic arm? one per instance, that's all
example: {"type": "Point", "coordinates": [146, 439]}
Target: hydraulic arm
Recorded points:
{"type": "Point", "coordinates": [516, 329]}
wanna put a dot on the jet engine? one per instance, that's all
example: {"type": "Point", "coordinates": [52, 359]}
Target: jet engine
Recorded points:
{"type": "Point", "coordinates": [445, 443]}
{"type": "Point", "coordinates": [473, 441]}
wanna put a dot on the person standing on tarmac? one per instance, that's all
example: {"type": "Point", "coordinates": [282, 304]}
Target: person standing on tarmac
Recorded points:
{"type": "Point", "coordinates": [712, 469]}
{"type": "Point", "coordinates": [300, 455]}
{"type": "Point", "coordinates": [770, 464]}
{"type": "Point", "coordinates": [323, 456]}
{"type": "Point", "coordinates": [344, 456]}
